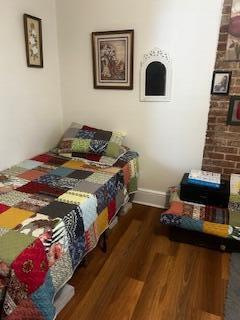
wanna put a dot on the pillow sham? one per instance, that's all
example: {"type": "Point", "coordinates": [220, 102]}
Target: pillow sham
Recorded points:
{"type": "Point", "coordinates": [84, 139]}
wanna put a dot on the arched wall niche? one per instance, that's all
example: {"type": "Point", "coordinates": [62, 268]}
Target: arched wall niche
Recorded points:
{"type": "Point", "coordinates": [156, 76]}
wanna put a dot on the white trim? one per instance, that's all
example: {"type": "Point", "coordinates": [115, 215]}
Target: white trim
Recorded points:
{"type": "Point", "coordinates": [150, 198]}
{"type": "Point", "coordinates": [157, 55]}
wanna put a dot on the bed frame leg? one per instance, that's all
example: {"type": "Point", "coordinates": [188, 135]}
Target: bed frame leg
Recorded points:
{"type": "Point", "coordinates": [103, 241]}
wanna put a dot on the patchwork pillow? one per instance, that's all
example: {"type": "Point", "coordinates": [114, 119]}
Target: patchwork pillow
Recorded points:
{"type": "Point", "coordinates": [83, 139]}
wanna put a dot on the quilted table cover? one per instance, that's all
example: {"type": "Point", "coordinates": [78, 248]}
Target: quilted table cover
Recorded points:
{"type": "Point", "coordinates": [52, 213]}
{"type": "Point", "coordinates": [196, 217]}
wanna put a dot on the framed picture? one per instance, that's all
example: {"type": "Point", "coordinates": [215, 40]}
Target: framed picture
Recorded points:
{"type": "Point", "coordinates": [234, 111]}
{"type": "Point", "coordinates": [233, 41]}
{"type": "Point", "coordinates": [221, 82]}
{"type": "Point", "coordinates": [113, 59]}
{"type": "Point", "coordinates": [33, 40]}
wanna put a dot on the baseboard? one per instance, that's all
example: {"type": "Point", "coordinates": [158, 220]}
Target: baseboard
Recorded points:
{"type": "Point", "coordinates": [150, 198]}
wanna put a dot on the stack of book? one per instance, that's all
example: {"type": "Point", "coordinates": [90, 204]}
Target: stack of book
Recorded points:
{"type": "Point", "coordinates": [205, 178]}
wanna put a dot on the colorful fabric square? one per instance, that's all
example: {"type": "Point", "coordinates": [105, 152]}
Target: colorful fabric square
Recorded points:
{"type": "Point", "coordinates": [102, 198]}
{"type": "Point", "coordinates": [170, 219]}
{"type": "Point", "coordinates": [15, 293]}
{"type": "Point", "coordinates": [13, 216]}
{"type": "Point", "coordinates": [57, 161]}
{"type": "Point", "coordinates": [133, 185]}
{"type": "Point", "coordinates": [81, 145]}
{"type": "Point", "coordinates": [191, 224]}
{"type": "Point", "coordinates": [31, 266]}
{"type": "Point", "coordinates": [57, 244]}
{"type": "Point", "coordinates": [25, 310]}
{"type": "Point", "coordinates": [220, 230]}
{"type": "Point", "coordinates": [73, 197]}
{"type": "Point", "coordinates": [61, 271]}
{"type": "Point", "coordinates": [120, 199]}
{"type": "Point", "coordinates": [74, 224]}
{"type": "Point", "coordinates": [49, 179]}
{"type": "Point", "coordinates": [85, 134]}
{"type": "Point", "coordinates": [111, 210]}
{"type": "Point", "coordinates": [13, 197]}
{"type": "Point", "coordinates": [35, 187]}
{"type": "Point", "coordinates": [75, 165]}
{"type": "Point", "coordinates": [29, 164]}
{"type": "Point", "coordinates": [112, 187]}
{"type": "Point", "coordinates": [3, 208]}
{"type": "Point", "coordinates": [31, 174]}
{"type": "Point", "coordinates": [87, 187]}
{"type": "Point", "coordinates": [89, 210]}
{"type": "Point", "coordinates": [17, 242]}
{"type": "Point", "coordinates": [66, 183]}
{"type": "Point", "coordinates": [3, 231]}
{"type": "Point", "coordinates": [99, 178]}
{"type": "Point", "coordinates": [42, 296]}
{"type": "Point", "coordinates": [80, 174]}
{"type": "Point", "coordinates": [42, 158]}
{"type": "Point", "coordinates": [13, 171]}
{"type": "Point", "coordinates": [101, 222]}
{"type": "Point", "coordinates": [36, 226]}
{"type": "Point", "coordinates": [61, 172]}
{"type": "Point", "coordinates": [33, 204]}
{"type": "Point", "coordinates": [77, 250]}
{"type": "Point", "coordinates": [91, 238]}
{"type": "Point", "coordinates": [57, 209]}
{"type": "Point", "coordinates": [11, 183]}
{"type": "Point", "coordinates": [97, 146]}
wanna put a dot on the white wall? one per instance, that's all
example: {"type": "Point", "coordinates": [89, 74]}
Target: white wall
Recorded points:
{"type": "Point", "coordinates": [30, 105]}
{"type": "Point", "coordinates": [168, 136]}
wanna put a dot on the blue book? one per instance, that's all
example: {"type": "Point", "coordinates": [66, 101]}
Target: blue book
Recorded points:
{"type": "Point", "coordinates": [204, 183]}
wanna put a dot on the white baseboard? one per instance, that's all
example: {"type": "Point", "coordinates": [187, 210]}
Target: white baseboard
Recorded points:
{"type": "Point", "coordinates": [150, 198]}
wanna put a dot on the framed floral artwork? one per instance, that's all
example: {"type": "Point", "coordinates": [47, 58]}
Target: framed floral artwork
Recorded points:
{"type": "Point", "coordinates": [113, 59]}
{"type": "Point", "coordinates": [33, 40]}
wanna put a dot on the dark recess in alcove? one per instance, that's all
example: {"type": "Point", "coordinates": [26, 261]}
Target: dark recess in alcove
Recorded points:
{"type": "Point", "coordinates": [155, 79]}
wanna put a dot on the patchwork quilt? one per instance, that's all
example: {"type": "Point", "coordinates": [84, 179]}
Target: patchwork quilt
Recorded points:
{"type": "Point", "coordinates": [197, 217]}
{"type": "Point", "coordinates": [52, 213]}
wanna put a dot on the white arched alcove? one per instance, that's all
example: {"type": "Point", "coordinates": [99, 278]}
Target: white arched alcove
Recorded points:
{"type": "Point", "coordinates": [156, 76]}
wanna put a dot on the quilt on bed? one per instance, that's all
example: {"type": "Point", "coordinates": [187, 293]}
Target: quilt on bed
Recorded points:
{"type": "Point", "coordinates": [52, 213]}
{"type": "Point", "coordinates": [196, 217]}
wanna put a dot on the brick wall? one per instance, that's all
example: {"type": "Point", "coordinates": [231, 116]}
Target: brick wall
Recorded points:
{"type": "Point", "coordinates": [222, 146]}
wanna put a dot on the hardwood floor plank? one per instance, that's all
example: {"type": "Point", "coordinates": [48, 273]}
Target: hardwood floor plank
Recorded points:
{"type": "Point", "coordinates": [124, 300]}
{"type": "Point", "coordinates": [155, 288]}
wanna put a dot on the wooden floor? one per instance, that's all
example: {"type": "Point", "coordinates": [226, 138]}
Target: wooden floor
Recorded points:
{"type": "Point", "coordinates": [145, 276]}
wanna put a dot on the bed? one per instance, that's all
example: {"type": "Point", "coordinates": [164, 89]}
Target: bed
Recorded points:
{"type": "Point", "coordinates": [53, 210]}
{"type": "Point", "coordinates": [220, 222]}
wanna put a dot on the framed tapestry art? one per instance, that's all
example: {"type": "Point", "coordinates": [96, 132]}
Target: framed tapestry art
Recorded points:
{"type": "Point", "coordinates": [234, 111]}
{"type": "Point", "coordinates": [233, 43]}
{"type": "Point", "coordinates": [33, 41]}
{"type": "Point", "coordinates": [113, 59]}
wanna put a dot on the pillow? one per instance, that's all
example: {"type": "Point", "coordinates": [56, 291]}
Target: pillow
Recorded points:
{"type": "Point", "coordinates": [83, 139]}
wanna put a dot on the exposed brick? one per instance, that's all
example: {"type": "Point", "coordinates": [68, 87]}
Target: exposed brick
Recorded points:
{"type": "Point", "coordinates": [233, 143]}
{"type": "Point", "coordinates": [215, 155]}
{"type": "Point", "coordinates": [226, 150]}
{"type": "Point", "coordinates": [230, 171]}
{"type": "Point", "coordinates": [232, 157]}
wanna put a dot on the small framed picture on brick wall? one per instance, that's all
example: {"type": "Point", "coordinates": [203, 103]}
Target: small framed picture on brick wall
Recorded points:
{"type": "Point", "coordinates": [221, 82]}
{"type": "Point", "coordinates": [234, 111]}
